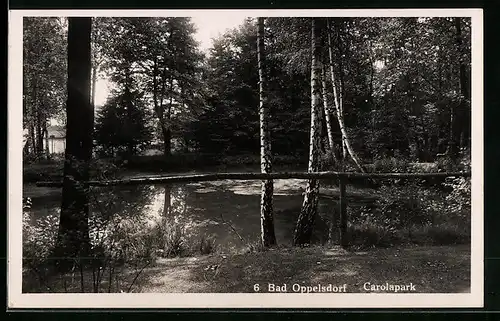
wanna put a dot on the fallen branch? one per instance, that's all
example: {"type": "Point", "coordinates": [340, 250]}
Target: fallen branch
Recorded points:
{"type": "Point", "coordinates": [232, 228]}
{"type": "Point", "coordinates": [254, 176]}
{"type": "Point", "coordinates": [137, 276]}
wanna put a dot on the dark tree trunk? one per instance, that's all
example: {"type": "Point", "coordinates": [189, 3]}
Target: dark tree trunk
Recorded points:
{"type": "Point", "coordinates": [268, 237]}
{"type": "Point", "coordinates": [32, 141]}
{"type": "Point", "coordinates": [372, 74]}
{"type": "Point", "coordinates": [167, 210]}
{"type": "Point", "coordinates": [160, 112]}
{"type": "Point", "coordinates": [95, 63]}
{"type": "Point", "coordinates": [464, 83]}
{"type": "Point", "coordinates": [167, 132]}
{"type": "Point", "coordinates": [463, 112]}
{"type": "Point", "coordinates": [73, 236]}
{"type": "Point", "coordinates": [307, 216]}
{"type": "Point", "coordinates": [94, 82]}
{"type": "Point", "coordinates": [33, 117]}
{"type": "Point", "coordinates": [39, 134]}
{"type": "Point", "coordinates": [454, 133]}
{"type": "Point", "coordinates": [460, 112]}
{"type": "Point", "coordinates": [46, 135]}
{"type": "Point", "coordinates": [159, 108]}
{"type": "Point", "coordinates": [167, 140]}
{"type": "Point", "coordinates": [129, 105]}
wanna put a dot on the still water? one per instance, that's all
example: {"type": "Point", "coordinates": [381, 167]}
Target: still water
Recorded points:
{"type": "Point", "coordinates": [228, 209]}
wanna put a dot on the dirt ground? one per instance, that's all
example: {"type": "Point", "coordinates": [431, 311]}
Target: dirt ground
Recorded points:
{"type": "Point", "coordinates": [438, 269]}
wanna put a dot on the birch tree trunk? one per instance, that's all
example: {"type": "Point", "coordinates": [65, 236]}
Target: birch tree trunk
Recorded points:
{"type": "Point", "coordinates": [338, 99]}
{"type": "Point", "coordinates": [268, 237]}
{"type": "Point", "coordinates": [73, 236]}
{"type": "Point", "coordinates": [307, 216]}
{"type": "Point", "coordinates": [327, 111]}
{"type": "Point", "coordinates": [341, 83]}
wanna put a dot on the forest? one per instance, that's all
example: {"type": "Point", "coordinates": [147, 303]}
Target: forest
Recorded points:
{"type": "Point", "coordinates": [277, 94]}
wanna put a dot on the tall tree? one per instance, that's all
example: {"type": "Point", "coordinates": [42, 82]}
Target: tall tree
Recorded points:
{"type": "Point", "coordinates": [266, 204]}
{"type": "Point", "coordinates": [73, 235]}
{"type": "Point", "coordinates": [229, 123]}
{"type": "Point", "coordinates": [44, 69]}
{"type": "Point", "coordinates": [339, 103]}
{"type": "Point", "coordinates": [122, 123]}
{"type": "Point", "coordinates": [460, 121]}
{"type": "Point", "coordinates": [307, 216]}
{"type": "Point", "coordinates": [97, 49]}
{"type": "Point", "coordinates": [328, 113]}
{"type": "Point", "coordinates": [170, 63]}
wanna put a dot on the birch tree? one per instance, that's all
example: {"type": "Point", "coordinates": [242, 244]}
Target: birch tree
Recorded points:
{"type": "Point", "coordinates": [268, 237]}
{"type": "Point", "coordinates": [338, 100]}
{"type": "Point", "coordinates": [327, 112]}
{"type": "Point", "coordinates": [307, 216]}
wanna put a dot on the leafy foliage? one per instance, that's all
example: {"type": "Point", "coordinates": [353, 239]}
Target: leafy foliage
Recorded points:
{"type": "Point", "coordinates": [160, 56]}
{"type": "Point", "coordinates": [410, 213]}
{"type": "Point", "coordinates": [122, 125]}
{"type": "Point", "coordinates": [398, 86]}
{"type": "Point", "coordinates": [44, 78]}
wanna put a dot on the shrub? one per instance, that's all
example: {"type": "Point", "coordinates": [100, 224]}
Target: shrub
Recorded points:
{"type": "Point", "coordinates": [390, 164]}
{"type": "Point", "coordinates": [327, 162]}
{"type": "Point", "coordinates": [38, 172]}
{"type": "Point", "coordinates": [104, 169]}
{"type": "Point", "coordinates": [414, 213]}
{"type": "Point", "coordinates": [207, 245]}
{"type": "Point", "coordinates": [39, 238]}
{"type": "Point", "coordinates": [441, 234]}
{"type": "Point", "coordinates": [254, 247]}
{"type": "Point", "coordinates": [371, 234]}
{"type": "Point", "coordinates": [171, 238]}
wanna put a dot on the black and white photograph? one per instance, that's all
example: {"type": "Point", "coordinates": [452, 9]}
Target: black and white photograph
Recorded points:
{"type": "Point", "coordinates": [245, 158]}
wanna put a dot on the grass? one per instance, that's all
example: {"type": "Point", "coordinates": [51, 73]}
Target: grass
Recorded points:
{"type": "Point", "coordinates": [440, 269]}
{"type": "Point", "coordinates": [432, 269]}
{"type": "Point", "coordinates": [364, 236]}
{"type": "Point", "coordinates": [45, 171]}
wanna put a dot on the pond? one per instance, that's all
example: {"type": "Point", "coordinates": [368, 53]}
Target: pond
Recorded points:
{"type": "Point", "coordinates": [228, 209]}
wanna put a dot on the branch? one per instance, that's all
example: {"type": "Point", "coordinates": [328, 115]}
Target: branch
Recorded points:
{"type": "Point", "coordinates": [232, 227]}
{"type": "Point", "coordinates": [254, 176]}
{"type": "Point", "coordinates": [137, 276]}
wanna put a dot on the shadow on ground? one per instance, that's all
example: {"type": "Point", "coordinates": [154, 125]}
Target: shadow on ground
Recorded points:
{"type": "Point", "coordinates": [440, 269]}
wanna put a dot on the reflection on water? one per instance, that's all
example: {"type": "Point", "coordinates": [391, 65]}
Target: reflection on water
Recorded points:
{"type": "Point", "coordinates": [207, 208]}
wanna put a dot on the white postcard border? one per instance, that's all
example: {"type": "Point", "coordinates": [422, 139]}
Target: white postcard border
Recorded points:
{"type": "Point", "coordinates": [17, 299]}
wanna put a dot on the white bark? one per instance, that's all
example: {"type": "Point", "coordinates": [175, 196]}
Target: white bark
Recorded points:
{"type": "Point", "coordinates": [339, 108]}
{"type": "Point", "coordinates": [268, 237]}
{"type": "Point", "coordinates": [307, 216]}
{"type": "Point", "coordinates": [328, 113]}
